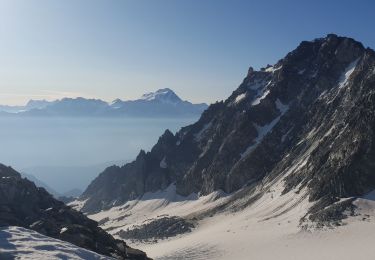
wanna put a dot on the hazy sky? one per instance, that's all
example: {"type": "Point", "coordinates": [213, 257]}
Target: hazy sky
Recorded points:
{"type": "Point", "coordinates": [200, 48]}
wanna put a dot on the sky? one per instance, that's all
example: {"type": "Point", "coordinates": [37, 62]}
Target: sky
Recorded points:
{"type": "Point", "coordinates": [121, 49]}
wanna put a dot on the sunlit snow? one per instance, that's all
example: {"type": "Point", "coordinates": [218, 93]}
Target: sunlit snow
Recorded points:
{"type": "Point", "coordinates": [22, 243]}
{"type": "Point", "coordinates": [239, 98]}
{"type": "Point", "coordinates": [347, 73]}
{"type": "Point", "coordinates": [258, 99]}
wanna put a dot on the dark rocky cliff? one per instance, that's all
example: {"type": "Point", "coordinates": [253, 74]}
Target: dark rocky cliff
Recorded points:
{"type": "Point", "coordinates": [23, 204]}
{"type": "Point", "coordinates": [310, 117]}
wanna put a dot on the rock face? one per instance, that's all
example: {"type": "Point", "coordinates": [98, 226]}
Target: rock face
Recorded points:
{"type": "Point", "coordinates": [309, 117]}
{"type": "Point", "coordinates": [160, 228]}
{"type": "Point", "coordinates": [25, 205]}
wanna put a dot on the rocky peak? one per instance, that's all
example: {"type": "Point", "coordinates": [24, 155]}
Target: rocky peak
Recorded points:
{"type": "Point", "coordinates": [250, 71]}
{"type": "Point", "coordinates": [166, 140]}
{"type": "Point", "coordinates": [299, 111]}
{"type": "Point", "coordinates": [141, 155]}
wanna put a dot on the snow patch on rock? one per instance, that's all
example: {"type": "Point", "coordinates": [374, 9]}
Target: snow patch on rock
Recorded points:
{"type": "Point", "coordinates": [239, 98]}
{"type": "Point", "coordinates": [281, 107]}
{"type": "Point", "coordinates": [163, 163]}
{"type": "Point", "coordinates": [63, 230]}
{"type": "Point", "coordinates": [260, 98]}
{"type": "Point", "coordinates": [272, 69]}
{"type": "Point", "coordinates": [347, 73]}
{"type": "Point", "coordinates": [262, 132]}
{"type": "Point", "coordinates": [77, 204]}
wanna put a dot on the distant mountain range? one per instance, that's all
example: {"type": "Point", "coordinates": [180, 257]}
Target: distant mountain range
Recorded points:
{"type": "Point", "coordinates": [32, 104]}
{"type": "Point", "coordinates": [162, 103]}
{"type": "Point", "coordinates": [74, 192]}
{"type": "Point", "coordinates": [40, 183]}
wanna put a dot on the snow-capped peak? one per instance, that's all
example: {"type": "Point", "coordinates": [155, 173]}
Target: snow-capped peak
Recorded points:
{"type": "Point", "coordinates": [117, 100]}
{"type": "Point", "coordinates": [164, 95]}
{"type": "Point", "coordinates": [117, 103]}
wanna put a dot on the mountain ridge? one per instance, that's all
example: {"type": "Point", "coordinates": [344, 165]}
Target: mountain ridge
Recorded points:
{"type": "Point", "coordinates": [283, 121]}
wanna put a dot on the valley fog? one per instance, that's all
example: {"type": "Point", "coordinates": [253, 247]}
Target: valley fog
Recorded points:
{"type": "Point", "coordinates": [56, 150]}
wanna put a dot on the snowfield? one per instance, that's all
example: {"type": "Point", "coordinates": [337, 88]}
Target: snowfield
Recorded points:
{"type": "Point", "coordinates": [22, 243]}
{"type": "Point", "coordinates": [267, 229]}
{"type": "Point", "coordinates": [247, 236]}
{"type": "Point", "coordinates": [155, 205]}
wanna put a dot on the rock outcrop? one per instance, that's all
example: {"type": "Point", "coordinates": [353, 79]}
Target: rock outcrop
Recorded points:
{"type": "Point", "coordinates": [26, 205]}
{"type": "Point", "coordinates": [161, 228]}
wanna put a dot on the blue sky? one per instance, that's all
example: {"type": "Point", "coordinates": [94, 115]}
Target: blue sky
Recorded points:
{"type": "Point", "coordinates": [200, 48]}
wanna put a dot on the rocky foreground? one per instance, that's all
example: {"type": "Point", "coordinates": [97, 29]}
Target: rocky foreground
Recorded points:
{"type": "Point", "coordinates": [25, 205]}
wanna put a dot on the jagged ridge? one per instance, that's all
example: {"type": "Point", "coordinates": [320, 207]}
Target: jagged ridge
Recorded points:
{"type": "Point", "coordinates": [309, 118]}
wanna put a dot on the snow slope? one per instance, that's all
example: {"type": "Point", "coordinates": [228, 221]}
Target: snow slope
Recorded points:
{"type": "Point", "coordinates": [267, 229]}
{"type": "Point", "coordinates": [22, 243]}
{"type": "Point", "coordinates": [240, 237]}
{"type": "Point", "coordinates": [152, 206]}
{"type": "Point", "coordinates": [259, 232]}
